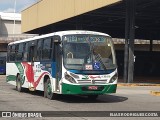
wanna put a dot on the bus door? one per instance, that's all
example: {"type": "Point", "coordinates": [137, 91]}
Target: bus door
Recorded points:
{"type": "Point", "coordinates": [31, 67]}
{"type": "Point", "coordinates": [58, 61]}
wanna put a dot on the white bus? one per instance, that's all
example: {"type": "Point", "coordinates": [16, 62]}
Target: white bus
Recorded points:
{"type": "Point", "coordinates": [66, 62]}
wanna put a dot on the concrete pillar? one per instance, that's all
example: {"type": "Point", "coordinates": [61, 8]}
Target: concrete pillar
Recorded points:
{"type": "Point", "coordinates": [129, 41]}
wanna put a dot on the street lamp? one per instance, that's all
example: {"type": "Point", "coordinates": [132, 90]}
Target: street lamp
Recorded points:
{"type": "Point", "coordinates": [14, 17]}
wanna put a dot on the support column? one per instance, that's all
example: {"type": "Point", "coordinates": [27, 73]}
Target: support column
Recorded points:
{"type": "Point", "coordinates": [129, 41]}
{"type": "Point", "coordinates": [125, 75]}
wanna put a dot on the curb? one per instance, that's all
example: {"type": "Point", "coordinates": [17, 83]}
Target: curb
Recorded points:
{"type": "Point", "coordinates": [136, 84]}
{"type": "Point", "coordinates": [155, 93]}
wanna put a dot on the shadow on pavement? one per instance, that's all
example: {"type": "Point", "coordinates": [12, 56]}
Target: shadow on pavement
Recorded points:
{"type": "Point", "coordinates": [106, 98]}
{"type": "Point", "coordinates": [84, 99]}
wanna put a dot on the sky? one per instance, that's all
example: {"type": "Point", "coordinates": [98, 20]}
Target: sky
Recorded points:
{"type": "Point", "coordinates": [9, 5]}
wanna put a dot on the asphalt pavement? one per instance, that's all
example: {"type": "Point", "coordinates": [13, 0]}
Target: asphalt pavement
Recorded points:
{"type": "Point", "coordinates": [127, 99]}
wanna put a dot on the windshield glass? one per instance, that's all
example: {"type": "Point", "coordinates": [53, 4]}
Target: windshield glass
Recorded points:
{"type": "Point", "coordinates": [88, 52]}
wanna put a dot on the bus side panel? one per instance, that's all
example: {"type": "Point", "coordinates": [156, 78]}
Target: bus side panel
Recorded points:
{"type": "Point", "coordinates": [12, 69]}
{"type": "Point", "coordinates": [31, 76]}
{"type": "Point", "coordinates": [11, 72]}
{"type": "Point", "coordinates": [42, 69]}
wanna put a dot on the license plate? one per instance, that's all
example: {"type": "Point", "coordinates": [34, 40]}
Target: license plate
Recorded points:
{"type": "Point", "coordinates": [92, 87]}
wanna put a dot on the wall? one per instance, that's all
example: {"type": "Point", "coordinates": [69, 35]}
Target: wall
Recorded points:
{"type": "Point", "coordinates": [7, 27]}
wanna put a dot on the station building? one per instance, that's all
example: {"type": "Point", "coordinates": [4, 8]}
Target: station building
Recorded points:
{"type": "Point", "coordinates": [109, 16]}
{"type": "Point", "coordinates": [10, 30]}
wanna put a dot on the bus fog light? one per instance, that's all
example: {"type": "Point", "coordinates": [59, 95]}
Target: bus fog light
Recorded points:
{"type": "Point", "coordinates": [114, 78]}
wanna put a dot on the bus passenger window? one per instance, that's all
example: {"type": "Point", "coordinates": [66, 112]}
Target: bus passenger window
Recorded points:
{"type": "Point", "coordinates": [20, 52]}
{"type": "Point", "coordinates": [47, 49]}
{"type": "Point", "coordinates": [25, 55]}
{"type": "Point", "coordinates": [39, 50]}
{"type": "Point", "coordinates": [12, 53]}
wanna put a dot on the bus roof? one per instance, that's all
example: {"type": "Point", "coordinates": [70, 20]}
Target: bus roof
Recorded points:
{"type": "Point", "coordinates": [60, 33]}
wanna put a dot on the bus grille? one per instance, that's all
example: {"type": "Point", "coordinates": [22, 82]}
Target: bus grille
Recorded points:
{"type": "Point", "coordinates": [92, 81]}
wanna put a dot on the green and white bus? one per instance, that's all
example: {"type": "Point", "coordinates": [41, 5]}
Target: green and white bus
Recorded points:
{"type": "Point", "coordinates": [67, 62]}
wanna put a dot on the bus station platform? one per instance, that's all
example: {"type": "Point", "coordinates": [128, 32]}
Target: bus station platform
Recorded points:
{"type": "Point", "coordinates": [142, 81]}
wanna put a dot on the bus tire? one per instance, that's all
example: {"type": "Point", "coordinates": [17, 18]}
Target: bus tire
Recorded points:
{"type": "Point", "coordinates": [45, 90]}
{"type": "Point", "coordinates": [19, 84]}
{"type": "Point", "coordinates": [48, 90]}
{"type": "Point", "coordinates": [92, 97]}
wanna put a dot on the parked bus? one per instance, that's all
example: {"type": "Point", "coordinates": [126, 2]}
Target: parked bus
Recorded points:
{"type": "Point", "coordinates": [65, 62]}
{"type": "Point", "coordinates": [2, 65]}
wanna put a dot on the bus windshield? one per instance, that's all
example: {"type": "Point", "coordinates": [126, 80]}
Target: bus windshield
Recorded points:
{"type": "Point", "coordinates": [88, 52]}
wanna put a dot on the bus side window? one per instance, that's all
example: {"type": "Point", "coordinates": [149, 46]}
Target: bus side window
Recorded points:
{"type": "Point", "coordinates": [47, 49]}
{"type": "Point", "coordinates": [32, 50]}
{"type": "Point", "coordinates": [25, 53]}
{"type": "Point", "coordinates": [20, 52]}
{"type": "Point", "coordinates": [39, 49]}
{"type": "Point", "coordinates": [8, 53]}
{"type": "Point", "coordinates": [12, 53]}
{"type": "Point", "coordinates": [16, 51]}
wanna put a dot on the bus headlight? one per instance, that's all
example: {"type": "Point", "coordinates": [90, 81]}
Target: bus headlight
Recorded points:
{"type": "Point", "coordinates": [114, 78]}
{"type": "Point", "coordinates": [69, 78]}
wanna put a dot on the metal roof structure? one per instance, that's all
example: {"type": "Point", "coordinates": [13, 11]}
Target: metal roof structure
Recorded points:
{"type": "Point", "coordinates": [127, 19]}
{"type": "Point", "coordinates": [107, 18]}
{"type": "Point", "coordinates": [47, 12]}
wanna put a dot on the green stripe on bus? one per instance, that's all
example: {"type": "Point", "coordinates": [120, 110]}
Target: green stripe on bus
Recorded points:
{"type": "Point", "coordinates": [21, 71]}
{"type": "Point", "coordinates": [20, 68]}
{"type": "Point", "coordinates": [11, 78]}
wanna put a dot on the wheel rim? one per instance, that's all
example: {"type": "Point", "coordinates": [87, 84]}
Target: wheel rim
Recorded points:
{"type": "Point", "coordinates": [49, 88]}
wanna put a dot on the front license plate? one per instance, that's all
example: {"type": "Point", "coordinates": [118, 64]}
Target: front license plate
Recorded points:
{"type": "Point", "coordinates": [92, 87]}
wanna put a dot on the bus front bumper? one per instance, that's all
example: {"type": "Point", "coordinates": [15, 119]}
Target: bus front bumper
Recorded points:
{"type": "Point", "coordinates": [88, 89]}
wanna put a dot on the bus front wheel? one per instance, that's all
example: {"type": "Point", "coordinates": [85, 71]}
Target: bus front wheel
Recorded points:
{"type": "Point", "coordinates": [48, 90]}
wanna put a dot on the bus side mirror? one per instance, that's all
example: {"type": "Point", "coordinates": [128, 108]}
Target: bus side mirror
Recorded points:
{"type": "Point", "coordinates": [56, 39]}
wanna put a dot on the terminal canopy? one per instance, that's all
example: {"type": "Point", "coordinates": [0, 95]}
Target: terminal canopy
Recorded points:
{"type": "Point", "coordinates": [97, 15]}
